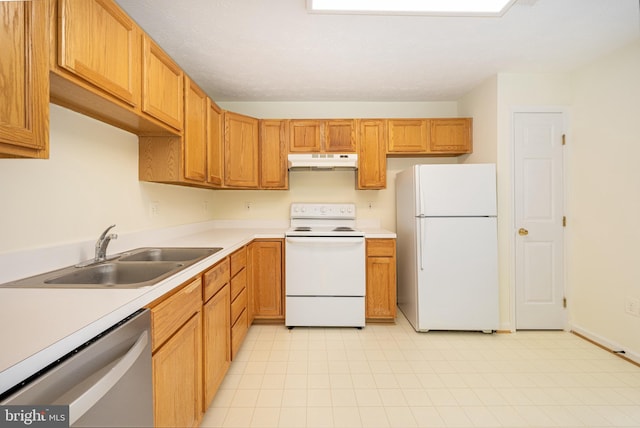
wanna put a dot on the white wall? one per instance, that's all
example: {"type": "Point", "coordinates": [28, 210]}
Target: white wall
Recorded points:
{"type": "Point", "coordinates": [329, 186]}
{"type": "Point", "coordinates": [481, 104]}
{"type": "Point", "coordinates": [604, 198]}
{"type": "Point", "coordinates": [89, 183]}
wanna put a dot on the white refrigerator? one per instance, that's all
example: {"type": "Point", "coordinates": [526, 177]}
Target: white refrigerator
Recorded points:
{"type": "Point", "coordinates": [447, 249]}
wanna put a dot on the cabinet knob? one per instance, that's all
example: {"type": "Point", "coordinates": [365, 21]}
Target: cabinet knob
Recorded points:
{"type": "Point", "coordinates": [523, 232]}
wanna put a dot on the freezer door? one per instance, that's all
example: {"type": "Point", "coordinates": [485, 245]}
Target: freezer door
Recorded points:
{"type": "Point", "coordinates": [458, 274]}
{"type": "Point", "coordinates": [456, 190]}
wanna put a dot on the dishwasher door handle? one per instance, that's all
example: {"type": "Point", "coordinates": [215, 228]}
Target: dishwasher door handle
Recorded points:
{"type": "Point", "coordinates": [102, 386]}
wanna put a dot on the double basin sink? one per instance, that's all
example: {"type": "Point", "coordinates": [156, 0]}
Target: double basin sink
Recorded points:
{"type": "Point", "coordinates": [137, 268]}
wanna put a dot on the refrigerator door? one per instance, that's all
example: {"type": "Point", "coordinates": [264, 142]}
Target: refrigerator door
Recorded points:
{"type": "Point", "coordinates": [458, 274]}
{"type": "Point", "coordinates": [456, 190]}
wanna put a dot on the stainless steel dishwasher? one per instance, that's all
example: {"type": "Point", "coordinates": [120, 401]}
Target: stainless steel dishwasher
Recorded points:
{"type": "Point", "coordinates": [107, 382]}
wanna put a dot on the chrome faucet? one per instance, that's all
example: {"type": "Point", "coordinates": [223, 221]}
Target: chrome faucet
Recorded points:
{"type": "Point", "coordinates": [103, 243]}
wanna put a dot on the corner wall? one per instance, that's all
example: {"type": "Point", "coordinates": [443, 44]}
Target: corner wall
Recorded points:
{"type": "Point", "coordinates": [604, 200]}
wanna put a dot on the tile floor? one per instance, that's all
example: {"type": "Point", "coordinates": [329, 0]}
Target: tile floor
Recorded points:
{"type": "Point", "coordinates": [391, 376]}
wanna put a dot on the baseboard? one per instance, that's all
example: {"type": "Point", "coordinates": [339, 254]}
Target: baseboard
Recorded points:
{"type": "Point", "coordinates": [607, 345]}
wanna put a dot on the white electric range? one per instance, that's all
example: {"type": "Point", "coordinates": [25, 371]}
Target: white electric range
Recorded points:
{"type": "Point", "coordinates": [325, 267]}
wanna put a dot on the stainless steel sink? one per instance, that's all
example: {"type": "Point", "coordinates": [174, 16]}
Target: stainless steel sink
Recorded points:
{"type": "Point", "coordinates": [173, 254]}
{"type": "Point", "coordinates": [132, 269]}
{"type": "Point", "coordinates": [114, 274]}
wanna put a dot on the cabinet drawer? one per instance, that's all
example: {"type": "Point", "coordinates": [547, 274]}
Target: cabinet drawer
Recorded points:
{"type": "Point", "coordinates": [238, 261]}
{"type": "Point", "coordinates": [238, 332]}
{"type": "Point", "coordinates": [238, 305]}
{"type": "Point", "coordinates": [381, 247]}
{"type": "Point", "coordinates": [238, 283]}
{"type": "Point", "coordinates": [215, 278]}
{"type": "Point", "coordinates": [170, 314]}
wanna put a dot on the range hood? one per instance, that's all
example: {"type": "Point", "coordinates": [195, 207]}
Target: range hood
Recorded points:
{"type": "Point", "coordinates": [323, 161]}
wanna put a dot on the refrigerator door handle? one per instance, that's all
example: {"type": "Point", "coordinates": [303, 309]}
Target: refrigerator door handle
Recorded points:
{"type": "Point", "coordinates": [420, 241]}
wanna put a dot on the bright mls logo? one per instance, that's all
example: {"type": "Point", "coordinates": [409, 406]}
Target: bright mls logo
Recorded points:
{"type": "Point", "coordinates": [34, 416]}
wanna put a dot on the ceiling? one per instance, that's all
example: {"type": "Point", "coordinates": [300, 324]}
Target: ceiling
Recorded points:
{"type": "Point", "coordinates": [274, 50]}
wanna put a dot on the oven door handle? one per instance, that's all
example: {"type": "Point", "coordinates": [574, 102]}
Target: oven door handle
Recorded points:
{"type": "Point", "coordinates": [325, 240]}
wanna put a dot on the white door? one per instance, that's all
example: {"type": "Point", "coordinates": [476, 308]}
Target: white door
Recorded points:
{"type": "Point", "coordinates": [538, 184]}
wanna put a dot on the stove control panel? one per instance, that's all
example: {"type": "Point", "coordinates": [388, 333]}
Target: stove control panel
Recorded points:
{"type": "Point", "coordinates": [312, 210]}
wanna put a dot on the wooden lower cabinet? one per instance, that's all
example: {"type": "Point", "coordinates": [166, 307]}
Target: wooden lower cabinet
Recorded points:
{"type": "Point", "coordinates": [177, 378]}
{"type": "Point", "coordinates": [240, 314]}
{"type": "Point", "coordinates": [216, 341]}
{"type": "Point", "coordinates": [176, 330]}
{"type": "Point", "coordinates": [265, 260]}
{"type": "Point", "coordinates": [381, 280]}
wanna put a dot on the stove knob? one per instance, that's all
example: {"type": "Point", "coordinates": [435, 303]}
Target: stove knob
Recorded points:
{"type": "Point", "coordinates": [323, 210]}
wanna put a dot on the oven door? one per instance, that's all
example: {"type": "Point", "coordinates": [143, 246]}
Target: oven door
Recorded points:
{"type": "Point", "coordinates": [325, 266]}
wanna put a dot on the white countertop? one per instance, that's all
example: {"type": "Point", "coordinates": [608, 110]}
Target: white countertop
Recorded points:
{"type": "Point", "coordinates": [38, 326]}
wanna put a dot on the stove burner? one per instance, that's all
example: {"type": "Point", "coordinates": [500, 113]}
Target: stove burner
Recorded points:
{"type": "Point", "coordinates": [343, 229]}
{"type": "Point", "coordinates": [302, 229]}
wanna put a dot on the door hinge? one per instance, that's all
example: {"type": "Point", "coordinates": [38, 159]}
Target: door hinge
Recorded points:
{"type": "Point", "coordinates": [564, 139]}
{"type": "Point", "coordinates": [564, 302]}
{"type": "Point", "coordinates": [564, 221]}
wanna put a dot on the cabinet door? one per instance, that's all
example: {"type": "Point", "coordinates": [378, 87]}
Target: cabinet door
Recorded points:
{"type": "Point", "coordinates": [407, 136]}
{"type": "Point", "coordinates": [195, 132]}
{"type": "Point", "coordinates": [273, 154]}
{"type": "Point", "coordinates": [450, 136]}
{"type": "Point", "coordinates": [265, 262]}
{"type": "Point", "coordinates": [24, 79]}
{"type": "Point", "coordinates": [215, 148]}
{"type": "Point", "coordinates": [372, 158]}
{"type": "Point", "coordinates": [216, 342]}
{"type": "Point", "coordinates": [340, 136]}
{"type": "Point", "coordinates": [240, 151]}
{"type": "Point", "coordinates": [304, 136]}
{"type": "Point", "coordinates": [381, 279]}
{"type": "Point", "coordinates": [99, 43]}
{"type": "Point", "coordinates": [163, 85]}
{"type": "Point", "coordinates": [177, 378]}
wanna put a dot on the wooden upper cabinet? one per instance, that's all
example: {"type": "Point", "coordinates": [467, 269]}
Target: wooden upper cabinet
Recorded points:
{"type": "Point", "coordinates": [339, 136]}
{"type": "Point", "coordinates": [304, 136]}
{"type": "Point", "coordinates": [240, 151]}
{"type": "Point", "coordinates": [322, 136]}
{"type": "Point", "coordinates": [215, 147]}
{"type": "Point", "coordinates": [162, 85]}
{"type": "Point", "coordinates": [450, 135]}
{"type": "Point", "coordinates": [24, 79]}
{"type": "Point", "coordinates": [408, 136]}
{"type": "Point", "coordinates": [99, 43]}
{"type": "Point", "coordinates": [273, 154]}
{"type": "Point", "coordinates": [372, 159]}
{"type": "Point", "coordinates": [195, 132]}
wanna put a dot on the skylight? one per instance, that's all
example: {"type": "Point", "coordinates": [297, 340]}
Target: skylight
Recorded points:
{"type": "Point", "coordinates": [412, 7]}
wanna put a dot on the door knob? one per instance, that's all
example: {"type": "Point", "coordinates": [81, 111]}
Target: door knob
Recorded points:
{"type": "Point", "coordinates": [523, 232]}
